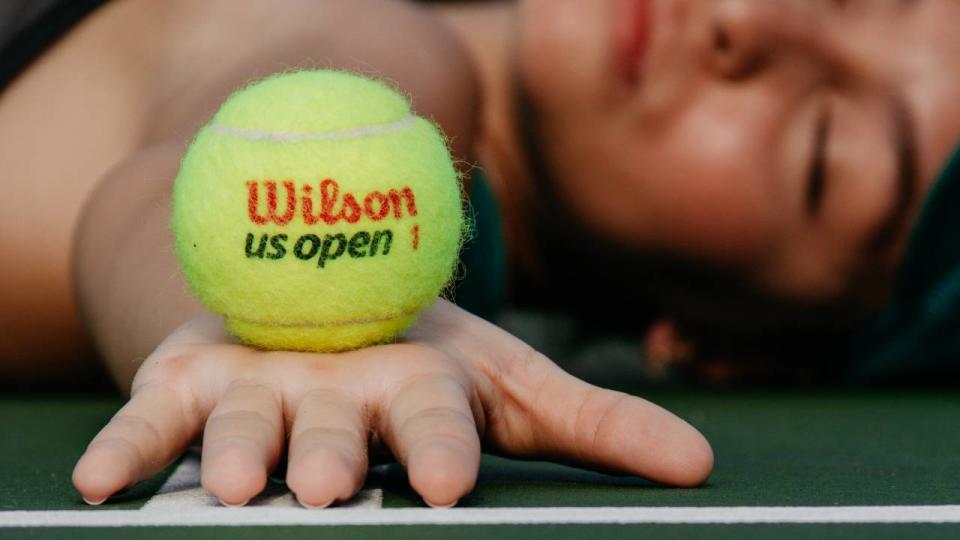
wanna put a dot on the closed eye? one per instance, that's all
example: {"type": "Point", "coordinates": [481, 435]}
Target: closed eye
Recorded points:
{"type": "Point", "coordinates": [816, 177]}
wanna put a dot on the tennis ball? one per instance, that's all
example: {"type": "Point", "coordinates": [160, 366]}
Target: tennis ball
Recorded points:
{"type": "Point", "coordinates": [316, 212]}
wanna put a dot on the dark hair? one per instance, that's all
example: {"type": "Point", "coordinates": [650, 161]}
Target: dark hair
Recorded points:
{"type": "Point", "coordinates": [617, 287]}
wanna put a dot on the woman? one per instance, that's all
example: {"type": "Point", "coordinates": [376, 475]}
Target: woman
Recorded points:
{"type": "Point", "coordinates": [784, 144]}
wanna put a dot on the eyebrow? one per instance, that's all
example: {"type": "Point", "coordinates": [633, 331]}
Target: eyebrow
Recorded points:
{"type": "Point", "coordinates": [904, 141]}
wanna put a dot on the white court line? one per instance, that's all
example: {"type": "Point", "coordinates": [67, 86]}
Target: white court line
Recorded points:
{"type": "Point", "coordinates": [266, 516]}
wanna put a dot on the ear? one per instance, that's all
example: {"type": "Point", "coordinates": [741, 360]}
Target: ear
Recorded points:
{"type": "Point", "coordinates": [665, 347]}
{"type": "Point", "coordinates": [668, 350]}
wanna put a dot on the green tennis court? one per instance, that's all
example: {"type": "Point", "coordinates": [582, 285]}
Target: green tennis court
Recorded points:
{"type": "Point", "coordinates": [789, 464]}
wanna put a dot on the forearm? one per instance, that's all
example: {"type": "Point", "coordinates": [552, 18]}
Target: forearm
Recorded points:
{"type": "Point", "coordinates": [130, 291]}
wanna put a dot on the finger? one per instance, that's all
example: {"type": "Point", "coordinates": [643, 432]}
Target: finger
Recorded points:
{"type": "Point", "coordinates": [613, 430]}
{"type": "Point", "coordinates": [145, 435]}
{"type": "Point", "coordinates": [242, 442]}
{"type": "Point", "coordinates": [537, 410]}
{"type": "Point", "coordinates": [327, 459]}
{"type": "Point", "coordinates": [431, 429]}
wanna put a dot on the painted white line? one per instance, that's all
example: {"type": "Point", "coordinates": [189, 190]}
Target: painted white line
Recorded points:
{"type": "Point", "coordinates": [368, 499]}
{"type": "Point", "coordinates": [182, 488]}
{"type": "Point", "coordinates": [264, 516]}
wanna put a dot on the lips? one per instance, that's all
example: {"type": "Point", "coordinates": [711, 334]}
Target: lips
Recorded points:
{"type": "Point", "coordinates": [632, 37]}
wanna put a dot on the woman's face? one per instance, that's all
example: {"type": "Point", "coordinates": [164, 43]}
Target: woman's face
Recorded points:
{"type": "Point", "coordinates": [791, 140]}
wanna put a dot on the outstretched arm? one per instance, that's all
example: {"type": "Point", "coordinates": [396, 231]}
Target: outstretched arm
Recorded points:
{"type": "Point", "coordinates": [130, 291]}
{"type": "Point", "coordinates": [454, 385]}
{"type": "Point", "coordinates": [129, 288]}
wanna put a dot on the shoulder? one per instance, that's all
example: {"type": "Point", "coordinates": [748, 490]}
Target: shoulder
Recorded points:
{"type": "Point", "coordinates": [413, 47]}
{"type": "Point", "coordinates": [402, 42]}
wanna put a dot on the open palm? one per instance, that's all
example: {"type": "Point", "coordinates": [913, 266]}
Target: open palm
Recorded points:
{"type": "Point", "coordinates": [453, 385]}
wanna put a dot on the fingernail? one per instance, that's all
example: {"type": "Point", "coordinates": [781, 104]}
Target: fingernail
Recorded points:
{"type": "Point", "coordinates": [228, 505]}
{"type": "Point", "coordinates": [94, 503]}
{"type": "Point", "coordinates": [441, 506]}
{"type": "Point", "coordinates": [314, 506]}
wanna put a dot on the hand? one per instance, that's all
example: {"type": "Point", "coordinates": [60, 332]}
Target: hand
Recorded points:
{"type": "Point", "coordinates": [454, 382]}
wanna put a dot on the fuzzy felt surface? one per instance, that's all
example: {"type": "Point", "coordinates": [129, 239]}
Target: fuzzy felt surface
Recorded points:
{"type": "Point", "coordinates": [315, 212]}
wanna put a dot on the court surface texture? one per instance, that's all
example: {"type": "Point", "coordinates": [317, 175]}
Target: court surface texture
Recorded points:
{"type": "Point", "coordinates": [789, 464]}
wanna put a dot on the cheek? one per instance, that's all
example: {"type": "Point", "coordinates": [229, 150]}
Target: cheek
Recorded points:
{"type": "Point", "coordinates": [704, 212]}
{"type": "Point", "coordinates": [711, 202]}
{"type": "Point", "coordinates": [710, 185]}
{"type": "Point", "coordinates": [932, 96]}
{"type": "Point", "coordinates": [930, 77]}
{"type": "Point", "coordinates": [561, 51]}
{"type": "Point", "coordinates": [861, 174]}
{"type": "Point", "coordinates": [705, 181]}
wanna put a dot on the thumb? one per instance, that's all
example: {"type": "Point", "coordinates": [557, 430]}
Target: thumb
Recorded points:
{"type": "Point", "coordinates": [578, 422]}
{"type": "Point", "coordinates": [537, 410]}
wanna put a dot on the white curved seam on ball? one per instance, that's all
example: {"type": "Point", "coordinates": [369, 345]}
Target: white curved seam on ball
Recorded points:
{"type": "Point", "coordinates": [327, 325]}
{"type": "Point", "coordinates": [354, 133]}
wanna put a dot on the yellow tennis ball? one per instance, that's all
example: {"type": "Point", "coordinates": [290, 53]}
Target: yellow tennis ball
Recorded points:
{"type": "Point", "coordinates": [317, 212]}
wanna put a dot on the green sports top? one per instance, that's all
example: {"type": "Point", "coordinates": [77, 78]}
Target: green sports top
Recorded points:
{"type": "Point", "coordinates": [918, 333]}
{"type": "Point", "coordinates": [480, 286]}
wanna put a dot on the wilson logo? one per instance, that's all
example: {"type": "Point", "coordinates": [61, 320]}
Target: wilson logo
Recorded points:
{"type": "Point", "coordinates": [330, 207]}
{"type": "Point", "coordinates": [278, 203]}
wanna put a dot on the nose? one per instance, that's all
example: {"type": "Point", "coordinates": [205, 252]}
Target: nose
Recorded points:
{"type": "Point", "coordinates": [745, 36]}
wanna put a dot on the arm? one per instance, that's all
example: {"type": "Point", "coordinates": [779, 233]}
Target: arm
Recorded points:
{"type": "Point", "coordinates": [129, 288]}
{"type": "Point", "coordinates": [455, 382]}
{"type": "Point", "coordinates": [128, 284]}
